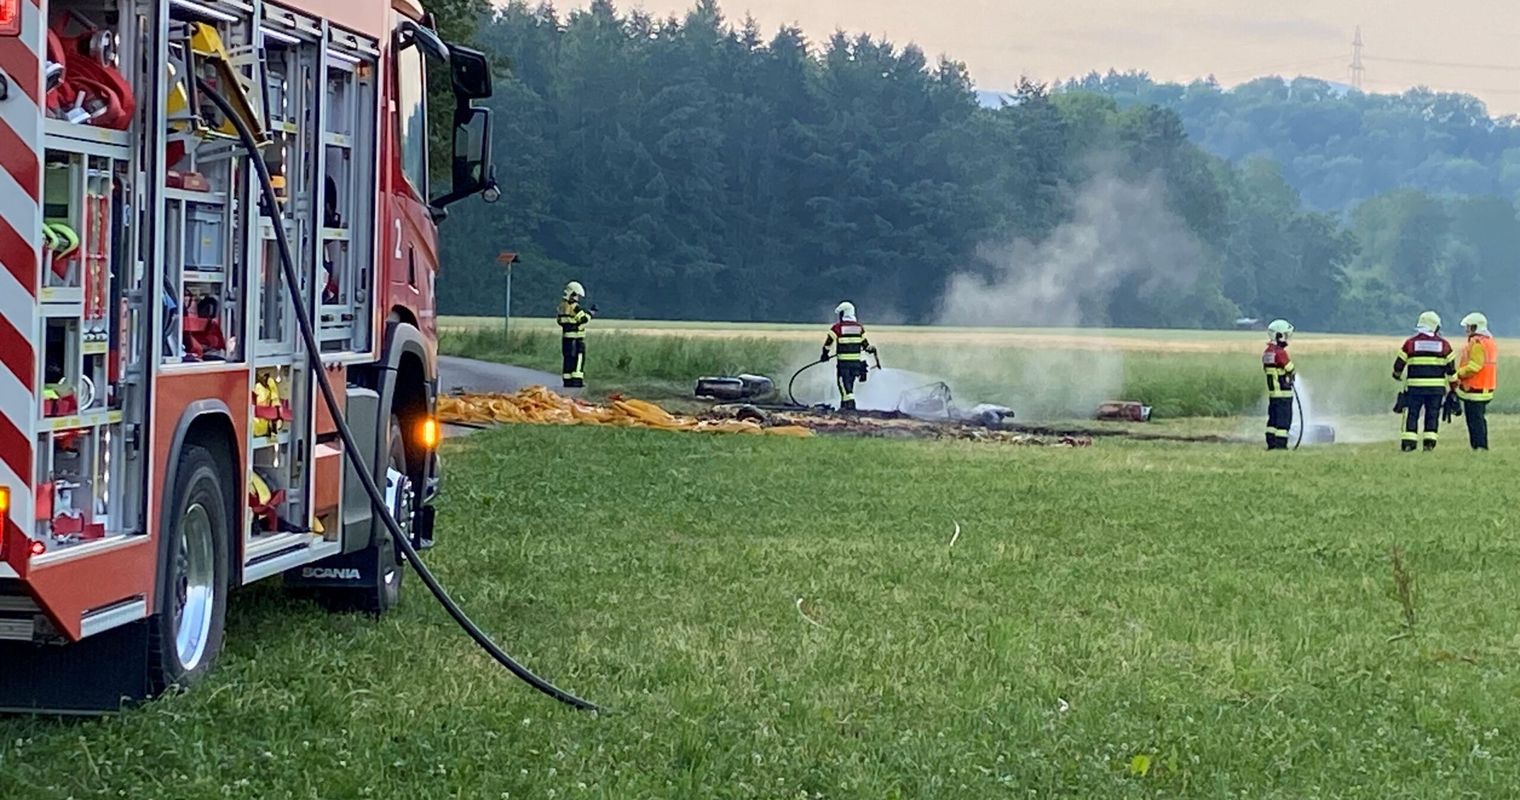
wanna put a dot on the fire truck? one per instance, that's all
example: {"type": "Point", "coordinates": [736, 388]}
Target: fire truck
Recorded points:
{"type": "Point", "coordinates": [160, 438]}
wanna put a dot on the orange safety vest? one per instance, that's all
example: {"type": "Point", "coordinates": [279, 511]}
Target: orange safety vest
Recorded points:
{"type": "Point", "coordinates": [1485, 380]}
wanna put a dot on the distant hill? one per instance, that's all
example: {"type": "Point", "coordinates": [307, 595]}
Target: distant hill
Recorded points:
{"type": "Point", "coordinates": [1336, 145]}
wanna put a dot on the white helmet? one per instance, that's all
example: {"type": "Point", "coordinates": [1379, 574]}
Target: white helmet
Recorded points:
{"type": "Point", "coordinates": [1476, 321]}
{"type": "Point", "coordinates": [1429, 322]}
{"type": "Point", "coordinates": [574, 289]}
{"type": "Point", "coordinates": [845, 310]}
{"type": "Point", "coordinates": [1279, 330]}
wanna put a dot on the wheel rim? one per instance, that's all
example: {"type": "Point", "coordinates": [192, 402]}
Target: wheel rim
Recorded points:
{"type": "Point", "coordinates": [403, 514]}
{"type": "Point", "coordinates": [194, 586]}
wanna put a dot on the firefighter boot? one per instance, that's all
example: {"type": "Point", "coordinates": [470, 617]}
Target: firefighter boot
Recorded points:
{"type": "Point", "coordinates": [1407, 447]}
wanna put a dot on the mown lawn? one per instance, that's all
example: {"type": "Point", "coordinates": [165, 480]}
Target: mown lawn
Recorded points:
{"type": "Point", "coordinates": [1125, 620]}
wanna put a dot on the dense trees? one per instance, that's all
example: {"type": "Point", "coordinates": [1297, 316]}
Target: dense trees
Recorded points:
{"type": "Point", "coordinates": [693, 168]}
{"type": "Point", "coordinates": [1340, 147]}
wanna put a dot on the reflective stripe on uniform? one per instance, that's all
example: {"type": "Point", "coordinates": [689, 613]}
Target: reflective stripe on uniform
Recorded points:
{"type": "Point", "coordinates": [572, 320]}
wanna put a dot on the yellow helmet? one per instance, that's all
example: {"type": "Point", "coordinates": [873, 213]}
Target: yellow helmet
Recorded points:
{"type": "Point", "coordinates": [1476, 321]}
{"type": "Point", "coordinates": [1279, 329]}
{"type": "Point", "coordinates": [1429, 319]}
{"type": "Point", "coordinates": [574, 289]}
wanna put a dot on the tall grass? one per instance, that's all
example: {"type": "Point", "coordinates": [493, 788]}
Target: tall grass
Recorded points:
{"type": "Point", "coordinates": [612, 360]}
{"type": "Point", "coordinates": [1037, 383]}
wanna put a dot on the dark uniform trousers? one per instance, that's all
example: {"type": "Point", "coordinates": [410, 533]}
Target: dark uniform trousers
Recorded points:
{"type": "Point", "coordinates": [1476, 412]}
{"type": "Point", "coordinates": [1428, 402]}
{"type": "Point", "coordinates": [1279, 422]}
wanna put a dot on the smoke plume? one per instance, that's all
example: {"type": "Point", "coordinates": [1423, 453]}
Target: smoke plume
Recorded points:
{"type": "Point", "coordinates": [1121, 243]}
{"type": "Point", "coordinates": [1121, 238]}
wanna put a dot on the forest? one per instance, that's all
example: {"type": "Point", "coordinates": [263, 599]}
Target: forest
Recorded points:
{"type": "Point", "coordinates": [701, 168]}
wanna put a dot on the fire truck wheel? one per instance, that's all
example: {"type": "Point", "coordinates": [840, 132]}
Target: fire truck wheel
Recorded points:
{"type": "Point", "coordinates": [186, 632]}
{"type": "Point", "coordinates": [389, 589]}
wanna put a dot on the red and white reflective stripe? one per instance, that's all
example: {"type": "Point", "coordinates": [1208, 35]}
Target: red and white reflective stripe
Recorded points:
{"type": "Point", "coordinates": [21, 143]}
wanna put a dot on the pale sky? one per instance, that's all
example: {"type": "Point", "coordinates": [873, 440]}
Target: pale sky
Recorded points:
{"type": "Point", "coordinates": [1464, 45]}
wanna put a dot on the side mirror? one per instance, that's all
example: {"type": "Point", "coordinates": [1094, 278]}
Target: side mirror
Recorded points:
{"type": "Point", "coordinates": [410, 33]}
{"type": "Point", "coordinates": [472, 148]}
{"type": "Point", "coordinates": [471, 166]}
{"type": "Point", "coordinates": [471, 74]}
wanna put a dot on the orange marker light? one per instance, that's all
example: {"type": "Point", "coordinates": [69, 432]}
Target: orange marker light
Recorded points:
{"type": "Point", "coordinates": [38, 548]}
{"type": "Point", "coordinates": [430, 433]}
{"type": "Point", "coordinates": [5, 501]}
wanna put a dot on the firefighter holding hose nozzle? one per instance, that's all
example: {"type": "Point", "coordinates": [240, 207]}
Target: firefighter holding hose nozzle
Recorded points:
{"type": "Point", "coordinates": [1278, 365]}
{"type": "Point", "coordinates": [1477, 378]}
{"type": "Point", "coordinates": [1427, 365]}
{"type": "Point", "coordinates": [848, 338]}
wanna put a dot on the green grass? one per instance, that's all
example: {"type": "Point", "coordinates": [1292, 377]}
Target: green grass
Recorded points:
{"type": "Point", "coordinates": [1226, 614]}
{"type": "Point", "coordinates": [652, 365]}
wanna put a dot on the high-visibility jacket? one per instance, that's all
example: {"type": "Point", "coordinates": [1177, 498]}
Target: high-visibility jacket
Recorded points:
{"type": "Point", "coordinates": [1279, 368]}
{"type": "Point", "coordinates": [1478, 368]}
{"type": "Point", "coordinates": [572, 320]}
{"type": "Point", "coordinates": [1426, 364]}
{"type": "Point", "coordinates": [848, 338]}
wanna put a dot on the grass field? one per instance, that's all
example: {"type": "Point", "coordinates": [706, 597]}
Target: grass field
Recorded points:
{"type": "Point", "coordinates": [1042, 374]}
{"type": "Point", "coordinates": [1118, 621]}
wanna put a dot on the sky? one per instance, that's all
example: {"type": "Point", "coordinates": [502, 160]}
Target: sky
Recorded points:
{"type": "Point", "coordinates": [1465, 45]}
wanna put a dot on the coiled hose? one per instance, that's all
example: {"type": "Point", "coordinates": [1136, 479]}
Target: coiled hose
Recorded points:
{"type": "Point", "coordinates": [350, 446]}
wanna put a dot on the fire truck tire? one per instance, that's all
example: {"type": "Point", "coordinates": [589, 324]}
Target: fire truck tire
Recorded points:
{"type": "Point", "coordinates": [185, 635]}
{"type": "Point", "coordinates": [387, 591]}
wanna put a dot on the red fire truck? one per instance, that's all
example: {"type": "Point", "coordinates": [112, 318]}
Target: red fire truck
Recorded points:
{"type": "Point", "coordinates": [160, 438]}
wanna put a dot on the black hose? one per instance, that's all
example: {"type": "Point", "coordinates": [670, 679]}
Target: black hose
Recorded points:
{"type": "Point", "coordinates": [350, 446]}
{"type": "Point", "coordinates": [793, 382]}
{"type": "Point", "coordinates": [1303, 422]}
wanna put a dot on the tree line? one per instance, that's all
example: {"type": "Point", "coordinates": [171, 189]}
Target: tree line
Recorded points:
{"type": "Point", "coordinates": [698, 168]}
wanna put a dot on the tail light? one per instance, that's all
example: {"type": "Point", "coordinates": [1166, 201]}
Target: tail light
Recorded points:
{"type": "Point", "coordinates": [10, 17]}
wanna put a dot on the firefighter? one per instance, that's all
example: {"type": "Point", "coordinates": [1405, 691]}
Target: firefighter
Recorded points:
{"type": "Point", "coordinates": [848, 338]}
{"type": "Point", "coordinates": [1427, 365]}
{"type": "Point", "coordinates": [572, 319]}
{"type": "Point", "coordinates": [1280, 375]}
{"type": "Point", "coordinates": [1477, 377]}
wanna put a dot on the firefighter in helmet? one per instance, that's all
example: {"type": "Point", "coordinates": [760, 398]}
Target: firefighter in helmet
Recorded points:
{"type": "Point", "coordinates": [1477, 377]}
{"type": "Point", "coordinates": [1278, 365]}
{"type": "Point", "coordinates": [1427, 365]}
{"type": "Point", "coordinates": [572, 319]}
{"type": "Point", "coordinates": [848, 338]}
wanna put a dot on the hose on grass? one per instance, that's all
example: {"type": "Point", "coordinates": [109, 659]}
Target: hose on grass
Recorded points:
{"type": "Point", "coordinates": [350, 446]}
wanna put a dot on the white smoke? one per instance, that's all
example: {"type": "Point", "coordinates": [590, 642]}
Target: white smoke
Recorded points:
{"type": "Point", "coordinates": [1121, 238]}
{"type": "Point", "coordinates": [1329, 408]}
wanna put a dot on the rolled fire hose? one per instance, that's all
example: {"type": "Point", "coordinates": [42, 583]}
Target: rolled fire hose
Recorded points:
{"type": "Point", "coordinates": [350, 446]}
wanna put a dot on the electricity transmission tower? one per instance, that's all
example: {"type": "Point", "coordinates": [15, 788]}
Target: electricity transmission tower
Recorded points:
{"type": "Point", "coordinates": [1356, 60]}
